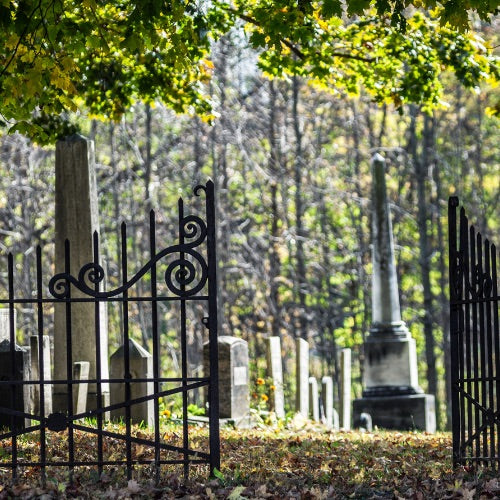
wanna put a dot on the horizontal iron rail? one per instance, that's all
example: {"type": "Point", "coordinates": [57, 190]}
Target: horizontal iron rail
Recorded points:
{"type": "Point", "coordinates": [105, 381]}
{"type": "Point", "coordinates": [78, 463]}
{"type": "Point", "coordinates": [474, 301]}
{"type": "Point", "coordinates": [160, 298]}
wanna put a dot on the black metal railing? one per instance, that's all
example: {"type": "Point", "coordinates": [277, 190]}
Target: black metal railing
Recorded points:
{"type": "Point", "coordinates": [190, 276]}
{"type": "Point", "coordinates": [475, 343]}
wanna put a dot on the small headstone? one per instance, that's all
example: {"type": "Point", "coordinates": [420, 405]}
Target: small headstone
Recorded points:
{"type": "Point", "coordinates": [5, 324]}
{"type": "Point", "coordinates": [327, 400]}
{"type": "Point", "coordinates": [21, 392]}
{"type": "Point", "coordinates": [36, 374]}
{"type": "Point", "coordinates": [275, 372]}
{"type": "Point", "coordinates": [141, 366]}
{"type": "Point", "coordinates": [302, 377]}
{"type": "Point", "coordinates": [314, 398]}
{"type": "Point", "coordinates": [345, 388]}
{"type": "Point", "coordinates": [234, 392]}
{"type": "Point", "coordinates": [80, 390]}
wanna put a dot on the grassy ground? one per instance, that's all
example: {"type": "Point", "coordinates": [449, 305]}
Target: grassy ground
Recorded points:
{"type": "Point", "coordinates": [268, 464]}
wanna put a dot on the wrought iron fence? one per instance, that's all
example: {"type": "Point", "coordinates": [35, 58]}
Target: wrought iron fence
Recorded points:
{"type": "Point", "coordinates": [475, 343]}
{"type": "Point", "coordinates": [190, 276]}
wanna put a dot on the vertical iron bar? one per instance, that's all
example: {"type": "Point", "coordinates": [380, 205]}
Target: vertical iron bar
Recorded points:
{"type": "Point", "coordinates": [126, 351]}
{"type": "Point", "coordinates": [212, 326]}
{"type": "Point", "coordinates": [185, 436]}
{"type": "Point", "coordinates": [97, 326]}
{"type": "Point", "coordinates": [12, 335]}
{"type": "Point", "coordinates": [69, 359]}
{"type": "Point", "coordinates": [465, 280]}
{"type": "Point", "coordinates": [475, 339]}
{"type": "Point", "coordinates": [496, 334]}
{"type": "Point", "coordinates": [489, 336]}
{"type": "Point", "coordinates": [482, 343]}
{"type": "Point", "coordinates": [41, 361]}
{"type": "Point", "coordinates": [455, 338]}
{"type": "Point", "coordinates": [156, 342]}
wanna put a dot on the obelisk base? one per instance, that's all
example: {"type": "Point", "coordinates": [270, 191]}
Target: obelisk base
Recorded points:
{"type": "Point", "coordinates": [404, 413]}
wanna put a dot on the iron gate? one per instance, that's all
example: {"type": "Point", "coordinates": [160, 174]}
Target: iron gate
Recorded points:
{"type": "Point", "coordinates": [189, 276]}
{"type": "Point", "coordinates": [475, 343]}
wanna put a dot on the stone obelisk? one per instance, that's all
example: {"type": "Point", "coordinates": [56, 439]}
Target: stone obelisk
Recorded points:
{"type": "Point", "coordinates": [391, 392]}
{"type": "Point", "coordinates": [76, 218]}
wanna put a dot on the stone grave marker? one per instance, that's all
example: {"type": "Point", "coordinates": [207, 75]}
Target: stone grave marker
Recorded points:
{"type": "Point", "coordinates": [4, 323]}
{"type": "Point", "coordinates": [275, 372]}
{"type": "Point", "coordinates": [327, 400]}
{"type": "Point", "coordinates": [314, 399]}
{"type": "Point", "coordinates": [345, 388]}
{"type": "Point", "coordinates": [80, 374]}
{"type": "Point", "coordinates": [36, 374]}
{"type": "Point", "coordinates": [141, 366]}
{"type": "Point", "coordinates": [302, 377]}
{"type": "Point", "coordinates": [76, 219]}
{"type": "Point", "coordinates": [234, 391]}
{"type": "Point", "coordinates": [391, 395]}
{"type": "Point", "coordinates": [22, 396]}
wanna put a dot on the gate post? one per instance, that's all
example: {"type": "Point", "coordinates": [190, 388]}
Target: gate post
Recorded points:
{"type": "Point", "coordinates": [454, 276]}
{"type": "Point", "coordinates": [213, 398]}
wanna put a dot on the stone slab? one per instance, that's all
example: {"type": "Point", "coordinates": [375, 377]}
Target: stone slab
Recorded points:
{"type": "Point", "coordinates": [404, 413]}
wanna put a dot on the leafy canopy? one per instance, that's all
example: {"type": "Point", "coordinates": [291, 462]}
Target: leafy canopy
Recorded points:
{"type": "Point", "coordinates": [100, 55]}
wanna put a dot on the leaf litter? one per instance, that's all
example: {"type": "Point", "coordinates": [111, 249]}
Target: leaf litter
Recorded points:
{"type": "Point", "coordinates": [311, 463]}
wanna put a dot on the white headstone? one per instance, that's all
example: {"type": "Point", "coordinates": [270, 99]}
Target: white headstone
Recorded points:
{"type": "Point", "coordinates": [302, 377]}
{"type": "Point", "coordinates": [275, 372]}
{"type": "Point", "coordinates": [314, 398]}
{"type": "Point", "coordinates": [345, 388]}
{"type": "Point", "coordinates": [327, 400]}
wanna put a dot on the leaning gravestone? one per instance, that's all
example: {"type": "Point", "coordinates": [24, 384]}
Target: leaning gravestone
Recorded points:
{"type": "Point", "coordinates": [392, 396]}
{"type": "Point", "coordinates": [234, 392]}
{"type": "Point", "coordinates": [80, 388]}
{"type": "Point", "coordinates": [141, 367]}
{"type": "Point", "coordinates": [302, 377]}
{"type": "Point", "coordinates": [76, 219]}
{"type": "Point", "coordinates": [275, 372]}
{"type": "Point", "coordinates": [18, 371]}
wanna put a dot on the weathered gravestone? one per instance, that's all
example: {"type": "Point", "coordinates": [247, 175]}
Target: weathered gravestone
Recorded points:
{"type": "Point", "coordinates": [38, 374]}
{"type": "Point", "coordinates": [314, 398]}
{"type": "Point", "coordinates": [391, 396]}
{"type": "Point", "coordinates": [16, 397]}
{"type": "Point", "coordinates": [234, 392]}
{"type": "Point", "coordinates": [80, 388]}
{"type": "Point", "coordinates": [327, 403]}
{"type": "Point", "coordinates": [76, 219]}
{"type": "Point", "coordinates": [275, 372]}
{"type": "Point", "coordinates": [302, 377]}
{"type": "Point", "coordinates": [5, 323]}
{"type": "Point", "coordinates": [141, 366]}
{"type": "Point", "coordinates": [345, 389]}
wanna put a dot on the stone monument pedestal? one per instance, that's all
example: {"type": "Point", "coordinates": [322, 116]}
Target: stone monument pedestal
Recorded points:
{"type": "Point", "coordinates": [403, 412]}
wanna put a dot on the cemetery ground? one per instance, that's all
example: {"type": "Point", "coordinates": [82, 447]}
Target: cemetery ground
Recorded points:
{"type": "Point", "coordinates": [280, 463]}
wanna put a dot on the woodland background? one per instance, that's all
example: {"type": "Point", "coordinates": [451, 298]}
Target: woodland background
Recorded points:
{"type": "Point", "coordinates": [291, 165]}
